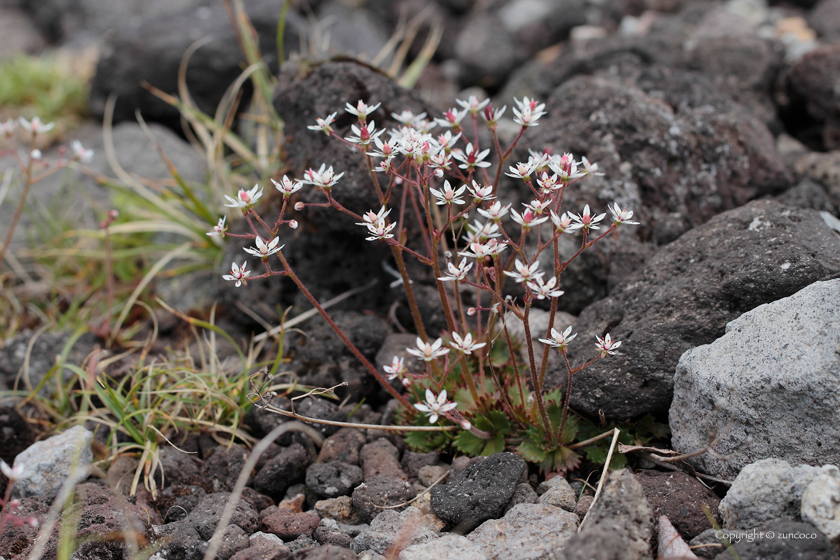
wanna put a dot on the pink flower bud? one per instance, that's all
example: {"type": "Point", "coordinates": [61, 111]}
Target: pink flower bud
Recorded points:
{"type": "Point", "coordinates": [471, 311]}
{"type": "Point", "coordinates": [439, 173]}
{"type": "Point", "coordinates": [466, 425]}
{"type": "Point", "coordinates": [293, 224]}
{"type": "Point", "coordinates": [299, 206]}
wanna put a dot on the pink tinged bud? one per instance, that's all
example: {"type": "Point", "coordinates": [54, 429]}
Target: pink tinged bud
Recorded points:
{"type": "Point", "coordinates": [299, 206]}
{"type": "Point", "coordinates": [32, 522]}
{"type": "Point", "coordinates": [471, 311]}
{"type": "Point", "coordinates": [406, 381]}
{"type": "Point", "coordinates": [488, 112]}
{"type": "Point", "coordinates": [243, 196]}
{"type": "Point", "coordinates": [293, 224]}
{"type": "Point", "coordinates": [439, 173]}
{"type": "Point", "coordinates": [466, 425]}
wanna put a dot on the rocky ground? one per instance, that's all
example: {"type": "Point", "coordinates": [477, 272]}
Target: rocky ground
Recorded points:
{"type": "Point", "coordinates": [718, 123]}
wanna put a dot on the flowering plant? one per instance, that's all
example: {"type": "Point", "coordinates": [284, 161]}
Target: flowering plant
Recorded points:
{"type": "Point", "coordinates": [431, 184]}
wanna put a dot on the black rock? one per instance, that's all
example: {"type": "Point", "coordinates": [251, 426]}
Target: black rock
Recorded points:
{"type": "Point", "coordinates": [204, 517]}
{"type": "Point", "coordinates": [782, 540]}
{"type": "Point", "coordinates": [286, 468]}
{"type": "Point", "coordinates": [812, 108]}
{"type": "Point", "coordinates": [379, 491]}
{"type": "Point", "coordinates": [480, 492]}
{"type": "Point", "coordinates": [330, 480]}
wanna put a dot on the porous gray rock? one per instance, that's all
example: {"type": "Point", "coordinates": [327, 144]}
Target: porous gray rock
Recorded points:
{"type": "Point", "coordinates": [558, 493]}
{"type": "Point", "coordinates": [330, 480]}
{"type": "Point", "coordinates": [821, 502]}
{"type": "Point", "coordinates": [781, 540]}
{"type": "Point", "coordinates": [479, 492]}
{"type": "Point", "coordinates": [371, 495]}
{"type": "Point", "coordinates": [766, 490]}
{"type": "Point", "coordinates": [526, 532]}
{"type": "Point", "coordinates": [447, 546]}
{"type": "Point", "coordinates": [813, 99]}
{"type": "Point", "coordinates": [206, 514]}
{"type": "Point", "coordinates": [686, 294]}
{"type": "Point", "coordinates": [775, 371]}
{"type": "Point", "coordinates": [285, 469]}
{"type": "Point", "coordinates": [47, 464]}
{"type": "Point", "coordinates": [390, 526]}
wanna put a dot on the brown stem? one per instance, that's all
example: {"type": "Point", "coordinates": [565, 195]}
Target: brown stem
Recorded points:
{"type": "Point", "coordinates": [535, 373]}
{"type": "Point", "coordinates": [19, 210]}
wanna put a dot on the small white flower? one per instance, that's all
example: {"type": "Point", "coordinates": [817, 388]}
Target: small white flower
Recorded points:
{"type": "Point", "coordinates": [621, 216]}
{"type": "Point", "coordinates": [36, 154]}
{"type": "Point", "coordinates": [477, 231]}
{"type": "Point", "coordinates": [559, 340]}
{"type": "Point", "coordinates": [435, 406]}
{"type": "Point", "coordinates": [245, 199]}
{"type": "Point", "coordinates": [548, 184]}
{"type": "Point", "coordinates": [538, 207]}
{"type": "Point", "coordinates": [565, 167]}
{"type": "Point", "coordinates": [240, 275]}
{"type": "Point", "coordinates": [448, 196]}
{"type": "Point", "coordinates": [524, 272]}
{"type": "Point", "coordinates": [384, 149]}
{"type": "Point", "coordinates": [324, 177]}
{"type": "Point", "coordinates": [452, 118]}
{"type": "Point", "coordinates": [287, 187]}
{"type": "Point", "coordinates": [264, 250]}
{"type": "Point", "coordinates": [396, 368]}
{"type": "Point", "coordinates": [465, 345]}
{"type": "Point", "coordinates": [323, 124]}
{"type": "Point", "coordinates": [408, 118]}
{"type": "Point", "coordinates": [446, 141]}
{"type": "Point", "coordinates": [472, 104]}
{"type": "Point", "coordinates": [80, 152]}
{"type": "Point", "coordinates": [293, 224]}
{"type": "Point", "coordinates": [521, 170]}
{"type": "Point", "coordinates": [364, 134]}
{"type": "Point", "coordinates": [428, 352]}
{"type": "Point", "coordinates": [8, 127]}
{"type": "Point", "coordinates": [219, 229]}
{"type": "Point", "coordinates": [527, 219]}
{"type": "Point", "coordinates": [456, 272]}
{"type": "Point", "coordinates": [379, 230]}
{"type": "Point", "coordinates": [529, 112]}
{"type": "Point", "coordinates": [480, 193]}
{"type": "Point", "coordinates": [35, 126]}
{"type": "Point", "coordinates": [492, 115]}
{"type": "Point", "coordinates": [495, 212]}
{"type": "Point", "coordinates": [481, 250]}
{"type": "Point", "coordinates": [470, 159]}
{"type": "Point", "coordinates": [563, 223]}
{"type": "Point", "coordinates": [590, 168]}
{"type": "Point", "coordinates": [586, 221]}
{"type": "Point", "coordinates": [361, 109]}
{"type": "Point", "coordinates": [12, 473]}
{"type": "Point", "coordinates": [370, 218]}
{"type": "Point", "coordinates": [606, 345]}
{"type": "Point", "coordinates": [543, 290]}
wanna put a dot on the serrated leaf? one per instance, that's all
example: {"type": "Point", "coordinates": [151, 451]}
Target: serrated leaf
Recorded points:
{"type": "Point", "coordinates": [468, 443]}
{"type": "Point", "coordinates": [424, 442]}
{"type": "Point", "coordinates": [532, 452]}
{"type": "Point", "coordinates": [494, 422]}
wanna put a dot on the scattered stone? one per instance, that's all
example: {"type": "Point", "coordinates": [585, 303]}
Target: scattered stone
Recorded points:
{"type": "Point", "coordinates": [430, 474]}
{"type": "Point", "coordinates": [264, 546]}
{"type": "Point", "coordinates": [812, 97]}
{"type": "Point", "coordinates": [326, 552]}
{"type": "Point", "coordinates": [285, 469]}
{"type": "Point", "coordinates": [527, 532]}
{"type": "Point", "coordinates": [710, 542]}
{"type": "Point", "coordinates": [47, 464]}
{"type": "Point", "coordinates": [289, 526]}
{"type": "Point", "coordinates": [15, 434]}
{"type": "Point", "coordinates": [182, 541]}
{"type": "Point", "coordinates": [684, 297]}
{"type": "Point", "coordinates": [178, 467]}
{"type": "Point", "coordinates": [261, 501]}
{"type": "Point", "coordinates": [523, 494]}
{"type": "Point", "coordinates": [392, 526]}
{"type": "Point", "coordinates": [413, 462]}
{"type": "Point", "coordinates": [447, 546]}
{"type": "Point", "coordinates": [583, 505]}
{"type": "Point", "coordinates": [807, 194]}
{"type": "Point", "coordinates": [233, 540]}
{"type": "Point", "coordinates": [303, 543]}
{"type": "Point", "coordinates": [330, 480]}
{"type": "Point", "coordinates": [767, 490]}
{"type": "Point", "coordinates": [175, 502]}
{"type": "Point", "coordinates": [619, 525]}
{"type": "Point", "coordinates": [328, 532]}
{"type": "Point", "coordinates": [222, 466]}
{"type": "Point", "coordinates": [380, 491]}
{"type": "Point", "coordinates": [480, 492]}
{"type": "Point", "coordinates": [821, 502]}
{"type": "Point", "coordinates": [773, 371]}
{"type": "Point", "coordinates": [381, 458]}
{"type": "Point", "coordinates": [295, 504]}
{"type": "Point", "coordinates": [344, 445]}
{"type": "Point", "coordinates": [558, 493]}
{"type": "Point", "coordinates": [206, 514]}
{"type": "Point", "coordinates": [781, 540]}
{"type": "Point", "coordinates": [681, 498]}
{"type": "Point", "coordinates": [340, 509]}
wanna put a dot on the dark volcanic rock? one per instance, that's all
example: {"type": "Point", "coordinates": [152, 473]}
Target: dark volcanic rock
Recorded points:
{"type": "Point", "coordinates": [380, 491]}
{"type": "Point", "coordinates": [344, 445]}
{"type": "Point", "coordinates": [222, 465]}
{"type": "Point", "coordinates": [686, 294]}
{"type": "Point", "coordinates": [680, 497]}
{"type": "Point", "coordinates": [286, 468]}
{"type": "Point", "coordinates": [152, 52]}
{"type": "Point", "coordinates": [812, 111]}
{"type": "Point", "coordinates": [381, 457]}
{"type": "Point", "coordinates": [479, 492]}
{"type": "Point", "coordinates": [15, 434]}
{"type": "Point", "coordinates": [330, 480]}
{"type": "Point", "coordinates": [790, 539]}
{"type": "Point", "coordinates": [289, 526]}
{"type": "Point", "coordinates": [206, 514]}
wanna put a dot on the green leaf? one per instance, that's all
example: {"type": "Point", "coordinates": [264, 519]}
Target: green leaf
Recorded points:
{"type": "Point", "coordinates": [494, 422]}
{"type": "Point", "coordinates": [532, 452]}
{"type": "Point", "coordinates": [425, 441]}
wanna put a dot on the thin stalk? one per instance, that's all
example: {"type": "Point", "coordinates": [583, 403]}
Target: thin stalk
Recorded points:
{"type": "Point", "coordinates": [535, 373]}
{"type": "Point", "coordinates": [21, 203]}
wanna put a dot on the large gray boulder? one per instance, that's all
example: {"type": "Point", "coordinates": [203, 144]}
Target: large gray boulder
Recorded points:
{"type": "Point", "coordinates": [770, 387]}
{"type": "Point", "coordinates": [684, 297]}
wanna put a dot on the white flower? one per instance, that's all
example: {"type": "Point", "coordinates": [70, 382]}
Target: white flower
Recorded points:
{"type": "Point", "coordinates": [370, 218]}
{"type": "Point", "coordinates": [529, 111]}
{"type": "Point", "coordinates": [606, 345]}
{"type": "Point", "coordinates": [324, 177]}
{"type": "Point", "coordinates": [481, 250]}
{"type": "Point", "coordinates": [35, 125]}
{"type": "Point", "coordinates": [264, 251]}
{"type": "Point", "coordinates": [559, 340]}
{"type": "Point", "coordinates": [238, 274]}
{"type": "Point", "coordinates": [379, 230]}
{"type": "Point", "coordinates": [494, 114]}
{"type": "Point", "coordinates": [456, 272]}
{"type": "Point", "coordinates": [477, 231]}
{"type": "Point", "coordinates": [8, 127]}
{"type": "Point", "coordinates": [587, 222]}
{"type": "Point", "coordinates": [472, 104]}
{"type": "Point", "coordinates": [590, 168]}
{"type": "Point", "coordinates": [481, 193]}
{"type": "Point", "coordinates": [293, 224]}
{"type": "Point", "coordinates": [471, 159]}
{"type": "Point", "coordinates": [548, 184]}
{"type": "Point", "coordinates": [527, 219]}
{"type": "Point", "coordinates": [541, 158]}
{"type": "Point", "coordinates": [447, 141]}
{"type": "Point", "coordinates": [365, 134]}
{"type": "Point", "coordinates": [538, 207]}
{"type": "Point", "coordinates": [428, 352]}
{"type": "Point", "coordinates": [361, 109]}
{"type": "Point", "coordinates": [543, 290]}
{"type": "Point", "coordinates": [384, 149]}
{"type": "Point", "coordinates": [521, 170]}
{"type": "Point", "coordinates": [563, 223]}
{"type": "Point", "coordinates": [408, 118]}
{"type": "Point", "coordinates": [448, 196]}
{"type": "Point", "coordinates": [565, 167]}
{"type": "Point", "coordinates": [80, 152]}
{"type": "Point", "coordinates": [396, 369]}
{"type": "Point", "coordinates": [12, 473]}
{"type": "Point", "coordinates": [220, 228]}
{"type": "Point", "coordinates": [621, 216]}
{"type": "Point", "coordinates": [465, 345]}
{"type": "Point", "coordinates": [495, 212]}
{"type": "Point", "coordinates": [245, 199]}
{"type": "Point", "coordinates": [287, 186]}
{"type": "Point", "coordinates": [323, 124]}
{"type": "Point", "coordinates": [452, 119]}
{"type": "Point", "coordinates": [524, 272]}
{"type": "Point", "coordinates": [434, 407]}
{"type": "Point", "coordinates": [36, 154]}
